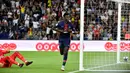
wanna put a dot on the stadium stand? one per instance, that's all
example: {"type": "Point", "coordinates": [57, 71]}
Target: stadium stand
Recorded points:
{"type": "Point", "coordinates": [28, 19]}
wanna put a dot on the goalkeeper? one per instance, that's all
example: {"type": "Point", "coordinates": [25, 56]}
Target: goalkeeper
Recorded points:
{"type": "Point", "coordinates": [7, 61]}
{"type": "Point", "coordinates": [65, 28]}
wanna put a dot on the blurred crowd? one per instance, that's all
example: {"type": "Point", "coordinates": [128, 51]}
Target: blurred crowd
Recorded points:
{"type": "Point", "coordinates": [28, 19]}
{"type": "Point", "coordinates": [102, 20]}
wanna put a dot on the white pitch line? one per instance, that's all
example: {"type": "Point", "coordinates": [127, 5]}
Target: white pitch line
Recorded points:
{"type": "Point", "coordinates": [101, 66]}
{"type": "Point", "coordinates": [101, 70]}
{"type": "Point", "coordinates": [90, 69]}
{"type": "Point", "coordinates": [75, 71]}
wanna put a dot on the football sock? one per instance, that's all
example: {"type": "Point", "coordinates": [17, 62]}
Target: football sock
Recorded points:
{"type": "Point", "coordinates": [65, 59]}
{"type": "Point", "coordinates": [64, 62]}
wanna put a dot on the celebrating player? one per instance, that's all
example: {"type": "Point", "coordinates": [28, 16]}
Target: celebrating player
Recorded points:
{"type": "Point", "coordinates": [65, 28]}
{"type": "Point", "coordinates": [7, 61]}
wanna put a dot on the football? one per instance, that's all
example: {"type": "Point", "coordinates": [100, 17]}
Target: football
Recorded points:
{"type": "Point", "coordinates": [125, 59]}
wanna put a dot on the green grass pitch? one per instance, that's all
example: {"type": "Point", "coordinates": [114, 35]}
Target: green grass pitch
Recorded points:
{"type": "Point", "coordinates": [50, 62]}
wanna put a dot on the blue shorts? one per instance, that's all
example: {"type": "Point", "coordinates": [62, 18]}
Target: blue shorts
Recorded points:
{"type": "Point", "coordinates": [64, 42]}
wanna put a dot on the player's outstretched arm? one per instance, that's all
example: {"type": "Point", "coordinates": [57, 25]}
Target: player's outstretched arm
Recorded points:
{"type": "Point", "coordinates": [5, 51]}
{"type": "Point", "coordinates": [58, 30]}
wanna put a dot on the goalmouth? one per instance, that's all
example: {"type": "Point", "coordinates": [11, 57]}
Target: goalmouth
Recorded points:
{"type": "Point", "coordinates": [117, 54]}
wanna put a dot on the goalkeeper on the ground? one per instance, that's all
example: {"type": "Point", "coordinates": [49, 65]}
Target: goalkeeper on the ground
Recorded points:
{"type": "Point", "coordinates": [7, 61]}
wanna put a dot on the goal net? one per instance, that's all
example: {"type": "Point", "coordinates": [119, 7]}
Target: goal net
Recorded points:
{"type": "Point", "coordinates": [108, 32]}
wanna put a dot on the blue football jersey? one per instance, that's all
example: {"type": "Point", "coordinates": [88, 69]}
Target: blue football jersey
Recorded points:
{"type": "Point", "coordinates": [65, 26]}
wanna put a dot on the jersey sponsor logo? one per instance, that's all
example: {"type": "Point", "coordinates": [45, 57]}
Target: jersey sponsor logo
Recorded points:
{"type": "Point", "coordinates": [65, 28]}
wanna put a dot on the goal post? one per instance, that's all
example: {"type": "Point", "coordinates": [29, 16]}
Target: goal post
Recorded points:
{"type": "Point", "coordinates": [81, 35]}
{"type": "Point", "coordinates": [119, 32]}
